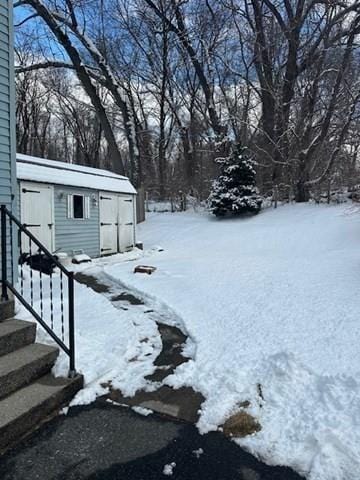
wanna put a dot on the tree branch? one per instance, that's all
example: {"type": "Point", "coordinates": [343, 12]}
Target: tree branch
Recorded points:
{"type": "Point", "coordinates": [40, 66]}
{"type": "Point", "coordinates": [30, 17]}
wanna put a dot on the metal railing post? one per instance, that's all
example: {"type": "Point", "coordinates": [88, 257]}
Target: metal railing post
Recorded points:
{"type": "Point", "coordinates": [72, 371]}
{"type": "Point", "coordinates": [4, 293]}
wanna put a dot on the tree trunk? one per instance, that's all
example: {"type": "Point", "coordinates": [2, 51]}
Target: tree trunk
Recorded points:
{"type": "Point", "coordinates": [302, 193]}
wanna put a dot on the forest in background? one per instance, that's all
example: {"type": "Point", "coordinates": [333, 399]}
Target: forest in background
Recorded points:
{"type": "Point", "coordinates": [158, 89]}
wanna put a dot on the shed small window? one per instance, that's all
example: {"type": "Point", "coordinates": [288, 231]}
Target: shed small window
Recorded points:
{"type": "Point", "coordinates": [78, 206]}
{"type": "Point", "coordinates": [78, 201]}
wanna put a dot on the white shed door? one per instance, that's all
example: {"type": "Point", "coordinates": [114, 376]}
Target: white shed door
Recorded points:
{"type": "Point", "coordinates": [126, 223]}
{"type": "Point", "coordinates": [37, 214]}
{"type": "Point", "coordinates": [108, 223]}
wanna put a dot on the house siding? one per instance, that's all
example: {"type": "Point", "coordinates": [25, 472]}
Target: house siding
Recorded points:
{"type": "Point", "coordinates": [7, 120]}
{"type": "Point", "coordinates": [7, 158]}
{"type": "Point", "coordinates": [76, 234]}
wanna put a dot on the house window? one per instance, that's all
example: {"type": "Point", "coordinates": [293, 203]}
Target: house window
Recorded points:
{"type": "Point", "coordinates": [78, 207]}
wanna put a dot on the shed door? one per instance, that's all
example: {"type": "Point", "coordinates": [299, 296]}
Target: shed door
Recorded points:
{"type": "Point", "coordinates": [37, 214]}
{"type": "Point", "coordinates": [108, 223]}
{"type": "Point", "coordinates": [126, 222]}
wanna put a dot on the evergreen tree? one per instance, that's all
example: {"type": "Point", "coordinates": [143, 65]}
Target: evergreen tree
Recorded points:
{"type": "Point", "coordinates": [234, 192]}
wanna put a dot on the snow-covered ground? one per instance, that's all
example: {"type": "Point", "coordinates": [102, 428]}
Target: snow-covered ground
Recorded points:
{"type": "Point", "coordinates": [271, 304]}
{"type": "Point", "coordinates": [112, 344]}
{"type": "Point", "coordinates": [270, 301]}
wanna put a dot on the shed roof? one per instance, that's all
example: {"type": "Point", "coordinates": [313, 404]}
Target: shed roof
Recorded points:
{"type": "Point", "coordinates": [60, 173]}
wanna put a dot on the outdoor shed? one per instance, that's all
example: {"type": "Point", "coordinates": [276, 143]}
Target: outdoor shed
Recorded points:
{"type": "Point", "coordinates": [71, 208]}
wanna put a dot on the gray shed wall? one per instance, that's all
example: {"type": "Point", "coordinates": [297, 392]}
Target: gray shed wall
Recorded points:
{"type": "Point", "coordinates": [74, 234]}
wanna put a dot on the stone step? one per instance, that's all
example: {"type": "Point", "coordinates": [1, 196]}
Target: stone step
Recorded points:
{"type": "Point", "coordinates": [24, 365]}
{"type": "Point", "coordinates": [24, 410]}
{"type": "Point", "coordinates": [15, 334]}
{"type": "Point", "coordinates": [6, 309]}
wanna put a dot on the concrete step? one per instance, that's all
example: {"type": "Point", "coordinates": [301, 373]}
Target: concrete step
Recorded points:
{"type": "Point", "coordinates": [6, 309]}
{"type": "Point", "coordinates": [24, 410]}
{"type": "Point", "coordinates": [25, 365]}
{"type": "Point", "coordinates": [15, 334]}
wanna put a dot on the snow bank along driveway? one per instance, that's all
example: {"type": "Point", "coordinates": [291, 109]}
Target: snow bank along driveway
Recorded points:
{"type": "Point", "coordinates": [272, 300]}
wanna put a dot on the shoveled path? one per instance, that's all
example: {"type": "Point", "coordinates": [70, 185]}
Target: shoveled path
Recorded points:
{"type": "Point", "coordinates": [106, 442]}
{"type": "Point", "coordinates": [181, 404]}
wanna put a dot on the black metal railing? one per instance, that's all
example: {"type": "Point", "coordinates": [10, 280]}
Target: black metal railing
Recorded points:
{"type": "Point", "coordinates": [55, 313]}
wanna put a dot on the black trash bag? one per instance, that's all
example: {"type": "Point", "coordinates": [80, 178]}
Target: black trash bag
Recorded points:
{"type": "Point", "coordinates": [39, 262]}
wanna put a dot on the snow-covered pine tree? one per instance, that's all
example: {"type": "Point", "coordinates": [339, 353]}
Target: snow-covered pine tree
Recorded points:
{"type": "Point", "coordinates": [234, 192]}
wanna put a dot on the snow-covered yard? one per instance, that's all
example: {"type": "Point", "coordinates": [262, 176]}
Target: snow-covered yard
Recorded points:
{"type": "Point", "coordinates": [270, 301]}
{"type": "Point", "coordinates": [271, 306]}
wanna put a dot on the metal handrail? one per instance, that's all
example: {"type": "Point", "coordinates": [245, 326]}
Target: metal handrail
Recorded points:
{"type": "Point", "coordinates": [23, 229]}
{"type": "Point", "coordinates": [7, 216]}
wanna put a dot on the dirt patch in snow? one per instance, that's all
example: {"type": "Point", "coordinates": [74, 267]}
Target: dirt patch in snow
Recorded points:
{"type": "Point", "coordinates": [127, 297]}
{"type": "Point", "coordinates": [92, 282]}
{"type": "Point", "coordinates": [240, 425]}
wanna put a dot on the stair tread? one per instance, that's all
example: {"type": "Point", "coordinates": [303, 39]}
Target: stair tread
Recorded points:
{"type": "Point", "coordinates": [26, 398]}
{"type": "Point", "coordinates": [10, 326]}
{"type": "Point", "coordinates": [23, 356]}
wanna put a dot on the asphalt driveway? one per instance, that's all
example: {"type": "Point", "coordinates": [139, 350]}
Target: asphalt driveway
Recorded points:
{"type": "Point", "coordinates": [107, 442]}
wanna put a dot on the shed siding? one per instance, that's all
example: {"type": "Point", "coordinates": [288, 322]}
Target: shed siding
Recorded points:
{"type": "Point", "coordinates": [74, 234]}
{"type": "Point", "coordinates": [7, 109]}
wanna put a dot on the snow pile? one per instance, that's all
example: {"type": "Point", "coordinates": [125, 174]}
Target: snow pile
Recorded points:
{"type": "Point", "coordinates": [130, 256]}
{"type": "Point", "coordinates": [272, 303]}
{"type": "Point", "coordinates": [111, 344]}
{"type": "Point", "coordinates": [169, 469]}
{"type": "Point", "coordinates": [198, 452]}
{"type": "Point", "coordinates": [310, 422]}
{"type": "Point", "coordinates": [145, 412]}
{"type": "Point", "coordinates": [81, 258]}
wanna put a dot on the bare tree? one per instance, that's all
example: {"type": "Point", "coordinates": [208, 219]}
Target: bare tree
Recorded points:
{"type": "Point", "coordinates": [56, 26]}
{"type": "Point", "coordinates": [178, 81]}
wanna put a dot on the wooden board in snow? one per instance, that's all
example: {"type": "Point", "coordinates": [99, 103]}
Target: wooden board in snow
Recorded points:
{"type": "Point", "coordinates": [144, 269]}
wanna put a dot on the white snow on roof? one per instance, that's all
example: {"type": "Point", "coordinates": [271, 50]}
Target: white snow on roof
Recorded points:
{"type": "Point", "coordinates": [61, 173]}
